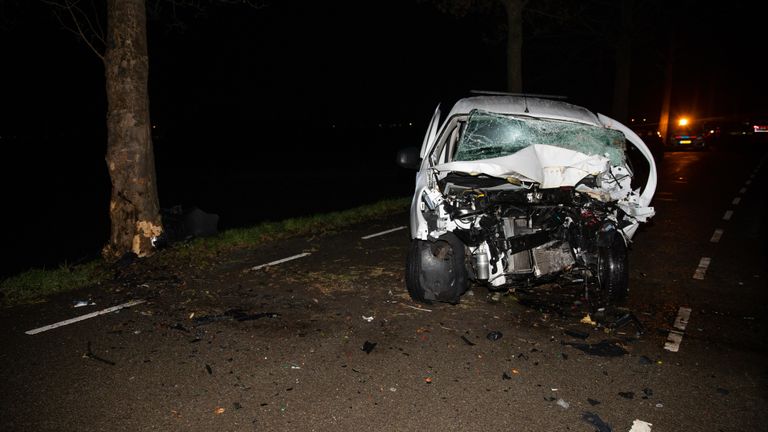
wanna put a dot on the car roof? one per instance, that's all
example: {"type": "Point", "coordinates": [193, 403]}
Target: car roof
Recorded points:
{"type": "Point", "coordinates": [528, 106]}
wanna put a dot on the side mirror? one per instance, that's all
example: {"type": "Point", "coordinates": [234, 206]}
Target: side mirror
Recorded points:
{"type": "Point", "coordinates": [409, 158]}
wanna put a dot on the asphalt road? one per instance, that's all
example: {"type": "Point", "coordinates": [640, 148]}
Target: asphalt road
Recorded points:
{"type": "Point", "coordinates": [331, 341]}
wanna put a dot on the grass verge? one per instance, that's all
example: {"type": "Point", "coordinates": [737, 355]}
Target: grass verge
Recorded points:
{"type": "Point", "coordinates": [36, 284]}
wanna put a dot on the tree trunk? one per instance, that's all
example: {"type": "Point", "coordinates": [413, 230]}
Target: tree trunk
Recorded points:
{"type": "Point", "coordinates": [514, 10]}
{"type": "Point", "coordinates": [623, 64]}
{"type": "Point", "coordinates": [134, 208]}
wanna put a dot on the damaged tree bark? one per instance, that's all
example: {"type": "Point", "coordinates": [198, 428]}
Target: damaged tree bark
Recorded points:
{"type": "Point", "coordinates": [134, 207]}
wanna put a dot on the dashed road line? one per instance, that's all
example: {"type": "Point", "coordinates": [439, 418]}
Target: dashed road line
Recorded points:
{"type": "Point", "coordinates": [716, 236]}
{"type": "Point", "coordinates": [280, 261]}
{"type": "Point", "coordinates": [736, 201]}
{"type": "Point", "coordinates": [701, 270]}
{"type": "Point", "coordinates": [383, 232]}
{"type": "Point", "coordinates": [748, 182]}
{"type": "Point", "coordinates": [85, 317]}
{"type": "Point", "coordinates": [728, 215]}
{"type": "Point", "coordinates": [743, 190]}
{"type": "Point", "coordinates": [675, 336]}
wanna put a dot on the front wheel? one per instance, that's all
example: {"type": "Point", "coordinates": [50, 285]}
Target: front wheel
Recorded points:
{"type": "Point", "coordinates": [435, 271]}
{"type": "Point", "coordinates": [613, 269]}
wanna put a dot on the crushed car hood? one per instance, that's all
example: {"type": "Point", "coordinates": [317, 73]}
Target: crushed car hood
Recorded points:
{"type": "Point", "coordinates": [550, 166]}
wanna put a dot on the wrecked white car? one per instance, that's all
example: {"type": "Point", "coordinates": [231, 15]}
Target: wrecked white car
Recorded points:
{"type": "Point", "coordinates": [515, 191]}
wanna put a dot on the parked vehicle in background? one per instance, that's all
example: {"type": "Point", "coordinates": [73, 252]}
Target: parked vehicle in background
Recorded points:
{"type": "Point", "coordinates": [514, 191]}
{"type": "Point", "coordinates": [685, 134]}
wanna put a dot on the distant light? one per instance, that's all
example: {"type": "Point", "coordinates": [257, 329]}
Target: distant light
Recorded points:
{"type": "Point", "coordinates": [643, 119]}
{"type": "Point", "coordinates": [632, 120]}
{"type": "Point", "coordinates": [711, 131]}
{"type": "Point", "coordinates": [153, 126]}
{"type": "Point", "coordinates": [410, 124]}
{"type": "Point", "coordinates": [683, 121]}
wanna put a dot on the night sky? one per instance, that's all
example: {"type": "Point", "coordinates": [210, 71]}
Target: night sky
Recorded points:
{"type": "Point", "coordinates": [299, 107]}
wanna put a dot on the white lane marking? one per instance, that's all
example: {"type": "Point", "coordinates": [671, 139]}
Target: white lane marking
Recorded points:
{"type": "Point", "coordinates": [673, 341]}
{"type": "Point", "coordinates": [728, 215]}
{"type": "Point", "coordinates": [736, 201]}
{"type": "Point", "coordinates": [683, 316]}
{"type": "Point", "coordinates": [675, 336]}
{"type": "Point", "coordinates": [383, 232]}
{"type": "Point", "coordinates": [748, 182]}
{"type": "Point", "coordinates": [716, 235]}
{"type": "Point", "coordinates": [743, 190]}
{"type": "Point", "coordinates": [85, 317]}
{"type": "Point", "coordinates": [702, 268]}
{"type": "Point", "coordinates": [280, 261]}
{"type": "Point", "coordinates": [641, 426]}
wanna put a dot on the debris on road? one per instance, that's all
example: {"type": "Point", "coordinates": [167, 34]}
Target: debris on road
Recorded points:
{"type": "Point", "coordinates": [596, 421]}
{"type": "Point", "coordinates": [563, 403]}
{"type": "Point", "coordinates": [368, 319]}
{"type": "Point", "coordinates": [576, 334]}
{"type": "Point", "coordinates": [178, 327]}
{"type": "Point", "coordinates": [604, 348]}
{"type": "Point", "coordinates": [81, 303]}
{"type": "Point", "coordinates": [234, 314]}
{"type": "Point", "coordinates": [467, 341]}
{"type": "Point", "coordinates": [208, 369]}
{"type": "Point", "coordinates": [219, 410]}
{"type": "Point", "coordinates": [628, 318]}
{"type": "Point", "coordinates": [588, 320]}
{"type": "Point", "coordinates": [645, 360]}
{"type": "Point", "coordinates": [640, 426]}
{"type": "Point", "coordinates": [506, 376]}
{"type": "Point", "coordinates": [368, 347]}
{"type": "Point", "coordinates": [494, 336]}
{"type": "Point", "coordinates": [627, 395]}
{"type": "Point", "coordinates": [89, 354]}
{"type": "Point", "coordinates": [593, 402]}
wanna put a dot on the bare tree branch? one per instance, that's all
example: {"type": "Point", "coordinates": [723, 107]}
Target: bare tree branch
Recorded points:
{"type": "Point", "coordinates": [78, 16]}
{"type": "Point", "coordinates": [70, 8]}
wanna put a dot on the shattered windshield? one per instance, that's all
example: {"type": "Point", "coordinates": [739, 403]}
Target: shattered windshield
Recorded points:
{"type": "Point", "coordinates": [488, 135]}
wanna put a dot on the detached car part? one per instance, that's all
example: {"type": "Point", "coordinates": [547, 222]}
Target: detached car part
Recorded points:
{"type": "Point", "coordinates": [515, 191]}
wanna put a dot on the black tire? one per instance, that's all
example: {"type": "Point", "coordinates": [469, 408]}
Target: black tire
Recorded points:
{"type": "Point", "coordinates": [613, 269]}
{"type": "Point", "coordinates": [435, 271]}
